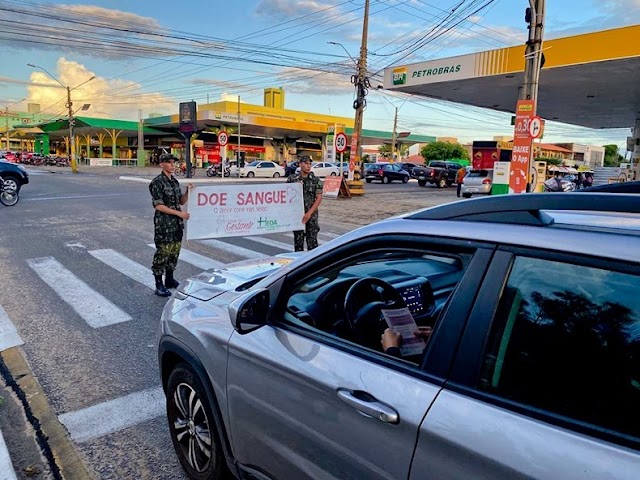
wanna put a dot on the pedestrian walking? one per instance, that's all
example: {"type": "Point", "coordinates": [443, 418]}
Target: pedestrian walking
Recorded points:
{"type": "Point", "coordinates": [462, 171]}
{"type": "Point", "coordinates": [312, 197]}
{"type": "Point", "coordinates": [168, 224]}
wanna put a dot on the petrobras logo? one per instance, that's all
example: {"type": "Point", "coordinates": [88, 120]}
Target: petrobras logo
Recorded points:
{"type": "Point", "coordinates": [400, 76]}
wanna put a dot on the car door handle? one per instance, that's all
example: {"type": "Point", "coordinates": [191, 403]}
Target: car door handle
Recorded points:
{"type": "Point", "coordinates": [368, 405]}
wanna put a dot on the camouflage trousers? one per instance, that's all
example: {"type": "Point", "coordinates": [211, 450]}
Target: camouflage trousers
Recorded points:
{"type": "Point", "coordinates": [312, 227]}
{"type": "Point", "coordinates": [166, 257]}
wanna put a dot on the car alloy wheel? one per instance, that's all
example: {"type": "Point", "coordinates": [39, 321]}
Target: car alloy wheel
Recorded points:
{"type": "Point", "coordinates": [385, 180]}
{"type": "Point", "coordinates": [442, 183]}
{"type": "Point", "coordinates": [251, 175]}
{"type": "Point", "coordinates": [193, 433]}
{"type": "Point", "coordinates": [405, 179]}
{"type": "Point", "coordinates": [276, 175]}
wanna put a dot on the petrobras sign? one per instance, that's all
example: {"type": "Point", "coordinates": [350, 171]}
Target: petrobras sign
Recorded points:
{"type": "Point", "coordinates": [455, 68]}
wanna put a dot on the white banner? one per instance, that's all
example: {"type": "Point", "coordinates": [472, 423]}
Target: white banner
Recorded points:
{"type": "Point", "coordinates": [239, 210]}
{"type": "Point", "coordinates": [100, 162]}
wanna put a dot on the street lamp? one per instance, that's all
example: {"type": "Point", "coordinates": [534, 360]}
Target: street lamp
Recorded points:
{"type": "Point", "coordinates": [345, 51]}
{"type": "Point", "coordinates": [69, 105]}
{"type": "Point", "coordinates": [6, 121]}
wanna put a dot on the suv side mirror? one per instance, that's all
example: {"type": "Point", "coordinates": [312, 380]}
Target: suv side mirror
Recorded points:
{"type": "Point", "coordinates": [250, 312]}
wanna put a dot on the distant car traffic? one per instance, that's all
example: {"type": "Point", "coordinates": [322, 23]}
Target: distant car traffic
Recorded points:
{"type": "Point", "coordinates": [262, 169]}
{"type": "Point", "coordinates": [385, 173]}
{"type": "Point", "coordinates": [476, 182]}
{"type": "Point", "coordinates": [323, 169]}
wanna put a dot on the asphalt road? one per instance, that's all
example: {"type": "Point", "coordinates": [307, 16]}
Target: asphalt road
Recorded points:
{"type": "Point", "coordinates": [73, 234]}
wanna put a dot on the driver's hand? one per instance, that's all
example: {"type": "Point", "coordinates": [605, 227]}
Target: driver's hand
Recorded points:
{"type": "Point", "coordinates": [390, 338]}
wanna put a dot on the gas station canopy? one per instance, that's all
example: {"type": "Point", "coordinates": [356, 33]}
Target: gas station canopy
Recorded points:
{"type": "Point", "coordinates": [591, 80]}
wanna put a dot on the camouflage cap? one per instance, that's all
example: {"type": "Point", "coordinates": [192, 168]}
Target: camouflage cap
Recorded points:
{"type": "Point", "coordinates": [167, 157]}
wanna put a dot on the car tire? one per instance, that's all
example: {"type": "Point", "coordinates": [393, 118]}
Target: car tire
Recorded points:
{"type": "Point", "coordinates": [405, 179]}
{"type": "Point", "coordinates": [333, 174]}
{"type": "Point", "coordinates": [196, 424]}
{"type": "Point", "coordinates": [385, 179]}
{"type": "Point", "coordinates": [251, 175]}
{"type": "Point", "coordinates": [466, 195]}
{"type": "Point", "coordinates": [368, 180]}
{"type": "Point", "coordinates": [442, 183]}
{"type": "Point", "coordinates": [276, 175]}
{"type": "Point", "coordinates": [12, 183]}
{"type": "Point", "coordinates": [422, 183]}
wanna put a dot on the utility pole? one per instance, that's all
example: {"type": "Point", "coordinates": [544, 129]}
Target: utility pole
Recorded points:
{"type": "Point", "coordinates": [393, 137]}
{"type": "Point", "coordinates": [72, 143]}
{"type": "Point", "coordinates": [534, 16]}
{"type": "Point", "coordinates": [6, 127]}
{"type": "Point", "coordinates": [533, 54]}
{"type": "Point", "coordinates": [361, 82]}
{"type": "Point", "coordinates": [140, 153]}
{"type": "Point", "coordinates": [238, 156]}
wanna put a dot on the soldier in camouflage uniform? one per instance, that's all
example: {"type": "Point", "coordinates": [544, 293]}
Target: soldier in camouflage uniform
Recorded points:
{"type": "Point", "coordinates": [168, 224]}
{"type": "Point", "coordinates": [312, 197]}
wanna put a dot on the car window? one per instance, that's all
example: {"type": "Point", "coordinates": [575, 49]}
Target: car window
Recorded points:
{"type": "Point", "coordinates": [478, 173]}
{"type": "Point", "coordinates": [345, 301]}
{"type": "Point", "coordinates": [566, 339]}
{"type": "Point", "coordinates": [253, 164]}
{"type": "Point", "coordinates": [267, 165]}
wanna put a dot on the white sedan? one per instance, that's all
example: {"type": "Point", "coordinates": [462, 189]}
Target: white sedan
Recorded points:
{"type": "Point", "coordinates": [262, 169]}
{"type": "Point", "coordinates": [323, 169]}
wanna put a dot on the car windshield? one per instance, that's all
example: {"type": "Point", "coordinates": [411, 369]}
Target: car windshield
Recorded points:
{"type": "Point", "coordinates": [478, 173]}
{"type": "Point", "coordinates": [253, 164]}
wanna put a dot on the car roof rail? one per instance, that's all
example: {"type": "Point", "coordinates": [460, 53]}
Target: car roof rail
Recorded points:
{"type": "Point", "coordinates": [528, 209]}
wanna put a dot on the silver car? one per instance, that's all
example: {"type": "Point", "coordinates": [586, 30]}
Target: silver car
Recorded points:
{"type": "Point", "coordinates": [532, 369]}
{"type": "Point", "coordinates": [477, 182]}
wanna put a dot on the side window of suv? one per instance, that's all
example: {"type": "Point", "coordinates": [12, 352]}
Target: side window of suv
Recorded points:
{"type": "Point", "coordinates": [437, 165]}
{"type": "Point", "coordinates": [566, 339]}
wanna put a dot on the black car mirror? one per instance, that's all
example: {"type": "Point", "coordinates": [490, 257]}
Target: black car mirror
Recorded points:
{"type": "Point", "coordinates": [250, 312]}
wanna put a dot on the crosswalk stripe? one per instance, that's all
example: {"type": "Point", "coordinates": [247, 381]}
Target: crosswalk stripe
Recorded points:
{"type": "Point", "coordinates": [234, 249]}
{"type": "Point", "coordinates": [330, 236]}
{"type": "Point", "coordinates": [126, 266]}
{"type": "Point", "coordinates": [196, 259]}
{"type": "Point", "coordinates": [287, 247]}
{"type": "Point", "coordinates": [6, 468]}
{"type": "Point", "coordinates": [94, 309]}
{"type": "Point", "coordinates": [9, 336]}
{"type": "Point", "coordinates": [114, 415]}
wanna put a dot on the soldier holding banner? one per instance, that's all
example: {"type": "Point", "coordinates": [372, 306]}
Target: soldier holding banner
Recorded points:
{"type": "Point", "coordinates": [312, 197]}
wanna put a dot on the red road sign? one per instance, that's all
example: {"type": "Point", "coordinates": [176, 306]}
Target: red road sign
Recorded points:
{"type": "Point", "coordinates": [341, 142]}
{"type": "Point", "coordinates": [223, 138]}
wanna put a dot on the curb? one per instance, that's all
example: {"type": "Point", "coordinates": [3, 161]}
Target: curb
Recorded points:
{"type": "Point", "coordinates": [53, 438]}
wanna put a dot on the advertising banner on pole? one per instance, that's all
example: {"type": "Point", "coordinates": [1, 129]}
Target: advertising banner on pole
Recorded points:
{"type": "Point", "coordinates": [521, 157]}
{"type": "Point", "coordinates": [241, 210]}
{"type": "Point", "coordinates": [329, 149]}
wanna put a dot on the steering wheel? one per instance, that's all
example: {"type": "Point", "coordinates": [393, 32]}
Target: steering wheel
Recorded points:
{"type": "Point", "coordinates": [362, 309]}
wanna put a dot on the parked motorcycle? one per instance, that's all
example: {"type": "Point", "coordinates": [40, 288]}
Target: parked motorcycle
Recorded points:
{"type": "Point", "coordinates": [560, 184]}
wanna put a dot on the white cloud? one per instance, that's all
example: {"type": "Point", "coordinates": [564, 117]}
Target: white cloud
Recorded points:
{"type": "Point", "coordinates": [111, 17]}
{"type": "Point", "coordinates": [291, 8]}
{"type": "Point", "coordinates": [111, 98]}
{"type": "Point", "coordinates": [305, 82]}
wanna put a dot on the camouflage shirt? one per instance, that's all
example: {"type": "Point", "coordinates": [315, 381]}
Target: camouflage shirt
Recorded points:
{"type": "Point", "coordinates": [166, 191]}
{"type": "Point", "coordinates": [311, 187]}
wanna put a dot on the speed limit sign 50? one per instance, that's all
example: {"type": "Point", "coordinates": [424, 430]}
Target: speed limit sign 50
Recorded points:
{"type": "Point", "coordinates": [341, 142]}
{"type": "Point", "coordinates": [223, 138]}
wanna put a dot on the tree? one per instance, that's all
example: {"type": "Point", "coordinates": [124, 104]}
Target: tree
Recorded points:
{"type": "Point", "coordinates": [443, 151]}
{"type": "Point", "coordinates": [385, 150]}
{"type": "Point", "coordinates": [550, 161]}
{"type": "Point", "coordinates": [612, 157]}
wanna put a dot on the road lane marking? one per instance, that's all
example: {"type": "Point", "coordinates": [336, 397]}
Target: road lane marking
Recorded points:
{"type": "Point", "coordinates": [6, 467]}
{"type": "Point", "coordinates": [9, 336]}
{"type": "Point", "coordinates": [126, 266]}
{"type": "Point", "coordinates": [234, 249]}
{"type": "Point", "coordinates": [94, 309]}
{"type": "Point", "coordinates": [196, 259]}
{"type": "Point", "coordinates": [287, 247]}
{"type": "Point", "coordinates": [114, 415]}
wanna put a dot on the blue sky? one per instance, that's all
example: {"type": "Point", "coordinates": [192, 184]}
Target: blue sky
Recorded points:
{"type": "Point", "coordinates": [252, 35]}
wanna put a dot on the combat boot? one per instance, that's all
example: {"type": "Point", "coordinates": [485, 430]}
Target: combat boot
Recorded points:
{"type": "Point", "coordinates": [161, 291]}
{"type": "Point", "coordinates": [169, 281]}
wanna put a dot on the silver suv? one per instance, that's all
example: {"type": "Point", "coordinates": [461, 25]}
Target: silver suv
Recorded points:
{"type": "Point", "coordinates": [532, 369]}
